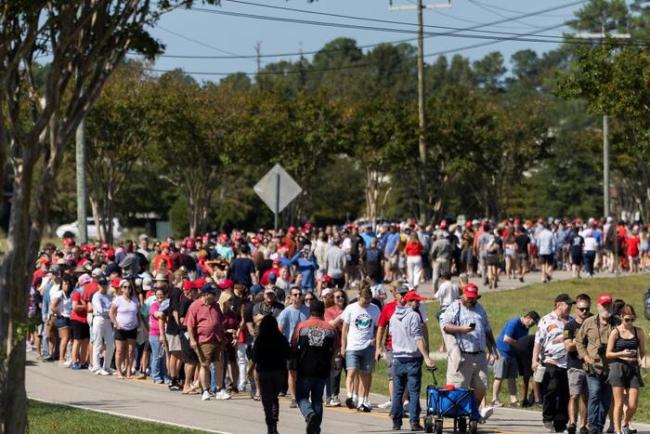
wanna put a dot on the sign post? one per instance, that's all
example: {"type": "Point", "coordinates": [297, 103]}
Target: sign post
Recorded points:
{"type": "Point", "coordinates": [277, 189]}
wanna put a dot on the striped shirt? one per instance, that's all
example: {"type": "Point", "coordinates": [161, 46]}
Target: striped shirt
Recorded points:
{"type": "Point", "coordinates": [460, 315]}
{"type": "Point", "coordinates": [550, 336]}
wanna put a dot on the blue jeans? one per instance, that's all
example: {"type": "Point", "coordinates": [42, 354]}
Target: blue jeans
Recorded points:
{"type": "Point", "coordinates": [600, 399]}
{"type": "Point", "coordinates": [407, 374]}
{"type": "Point", "coordinates": [157, 359]}
{"type": "Point", "coordinates": [309, 396]}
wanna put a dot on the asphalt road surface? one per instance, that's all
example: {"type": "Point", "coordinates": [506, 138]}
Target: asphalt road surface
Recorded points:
{"type": "Point", "coordinates": [240, 415]}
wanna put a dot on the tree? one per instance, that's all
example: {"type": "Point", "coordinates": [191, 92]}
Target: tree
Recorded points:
{"type": "Point", "coordinates": [118, 129]}
{"type": "Point", "coordinates": [85, 40]}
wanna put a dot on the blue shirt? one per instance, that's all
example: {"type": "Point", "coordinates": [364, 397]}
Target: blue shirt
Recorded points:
{"type": "Point", "coordinates": [391, 243]}
{"type": "Point", "coordinates": [515, 330]}
{"type": "Point", "coordinates": [367, 238]}
{"type": "Point", "coordinates": [307, 267]}
{"type": "Point", "coordinates": [289, 319]}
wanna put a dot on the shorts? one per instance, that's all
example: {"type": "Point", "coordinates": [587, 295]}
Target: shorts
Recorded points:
{"type": "Point", "coordinates": [644, 247]}
{"type": "Point", "coordinates": [188, 354]}
{"type": "Point", "coordinates": [546, 259]}
{"type": "Point", "coordinates": [230, 354]}
{"type": "Point", "coordinates": [62, 323]}
{"type": "Point", "coordinates": [174, 342]}
{"type": "Point", "coordinates": [80, 330]}
{"type": "Point", "coordinates": [34, 323]}
{"type": "Point", "coordinates": [577, 382]}
{"type": "Point", "coordinates": [123, 335]}
{"type": "Point", "coordinates": [363, 360]}
{"type": "Point", "coordinates": [576, 260]}
{"type": "Point", "coordinates": [210, 353]}
{"type": "Point", "coordinates": [624, 375]}
{"type": "Point", "coordinates": [338, 282]}
{"type": "Point", "coordinates": [469, 371]}
{"type": "Point", "coordinates": [506, 368]}
{"type": "Point", "coordinates": [492, 260]}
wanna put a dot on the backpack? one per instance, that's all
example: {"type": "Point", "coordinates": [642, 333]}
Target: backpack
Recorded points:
{"type": "Point", "coordinates": [646, 303]}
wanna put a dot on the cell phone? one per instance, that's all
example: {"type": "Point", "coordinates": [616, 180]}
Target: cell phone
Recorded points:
{"type": "Point", "coordinates": [472, 325]}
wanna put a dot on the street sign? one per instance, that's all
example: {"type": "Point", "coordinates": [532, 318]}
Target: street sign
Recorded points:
{"type": "Point", "coordinates": [277, 189]}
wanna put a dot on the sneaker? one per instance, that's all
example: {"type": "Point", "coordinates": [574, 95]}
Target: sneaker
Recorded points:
{"type": "Point", "coordinates": [76, 366]}
{"type": "Point", "coordinates": [397, 427]}
{"type": "Point", "coordinates": [67, 364]}
{"type": "Point", "coordinates": [102, 372]}
{"type": "Point", "coordinates": [626, 430]}
{"type": "Point", "coordinates": [293, 404]}
{"type": "Point", "coordinates": [158, 381]}
{"type": "Point", "coordinates": [417, 427]}
{"type": "Point", "coordinates": [334, 401]}
{"type": "Point", "coordinates": [385, 405]}
{"type": "Point", "coordinates": [349, 403]}
{"type": "Point", "coordinates": [174, 386]}
{"type": "Point", "coordinates": [496, 403]}
{"type": "Point", "coordinates": [223, 395]}
{"type": "Point", "coordinates": [84, 366]}
{"type": "Point", "coordinates": [571, 428]}
{"type": "Point", "coordinates": [364, 408]}
{"type": "Point", "coordinates": [550, 427]}
{"type": "Point", "coordinates": [205, 396]}
{"type": "Point", "coordinates": [486, 412]}
{"type": "Point", "coordinates": [312, 423]}
{"type": "Point", "coordinates": [584, 430]}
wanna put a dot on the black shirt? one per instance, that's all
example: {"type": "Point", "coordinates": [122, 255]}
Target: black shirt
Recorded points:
{"type": "Point", "coordinates": [241, 270]}
{"type": "Point", "coordinates": [174, 301]}
{"type": "Point", "coordinates": [271, 355]}
{"type": "Point", "coordinates": [183, 305]}
{"type": "Point", "coordinates": [570, 330]}
{"type": "Point", "coordinates": [522, 241]}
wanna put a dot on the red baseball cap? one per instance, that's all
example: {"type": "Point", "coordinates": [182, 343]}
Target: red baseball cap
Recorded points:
{"type": "Point", "coordinates": [443, 224]}
{"type": "Point", "coordinates": [115, 283]}
{"type": "Point", "coordinates": [604, 299]}
{"type": "Point", "coordinates": [188, 285]}
{"type": "Point", "coordinates": [413, 296]}
{"type": "Point", "coordinates": [327, 278]}
{"type": "Point", "coordinates": [471, 291]}
{"type": "Point", "coordinates": [227, 283]}
{"type": "Point", "coordinates": [291, 230]}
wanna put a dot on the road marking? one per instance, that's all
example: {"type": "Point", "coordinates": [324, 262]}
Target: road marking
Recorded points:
{"type": "Point", "coordinates": [128, 416]}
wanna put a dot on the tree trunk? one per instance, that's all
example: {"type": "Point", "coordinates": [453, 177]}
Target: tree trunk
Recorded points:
{"type": "Point", "coordinates": [14, 291]}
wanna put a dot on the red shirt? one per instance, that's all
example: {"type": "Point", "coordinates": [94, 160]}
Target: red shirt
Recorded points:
{"type": "Point", "coordinates": [384, 320]}
{"type": "Point", "coordinates": [206, 320]}
{"type": "Point", "coordinates": [158, 259]}
{"type": "Point", "coordinates": [633, 246]}
{"type": "Point", "coordinates": [413, 248]}
{"type": "Point", "coordinates": [89, 290]}
{"type": "Point", "coordinates": [75, 315]}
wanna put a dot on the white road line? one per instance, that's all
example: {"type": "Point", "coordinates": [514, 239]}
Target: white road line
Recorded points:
{"type": "Point", "coordinates": [128, 416]}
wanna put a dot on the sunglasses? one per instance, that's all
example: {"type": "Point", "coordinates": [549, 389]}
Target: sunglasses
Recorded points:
{"type": "Point", "coordinates": [628, 319]}
{"type": "Point", "coordinates": [339, 297]}
{"type": "Point", "coordinates": [125, 286]}
{"type": "Point", "coordinates": [296, 294]}
{"type": "Point", "coordinates": [309, 298]}
{"type": "Point", "coordinates": [582, 309]}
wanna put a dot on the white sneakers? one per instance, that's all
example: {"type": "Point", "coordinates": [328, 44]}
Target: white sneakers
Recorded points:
{"type": "Point", "coordinates": [205, 396]}
{"type": "Point", "coordinates": [486, 412]}
{"type": "Point", "coordinates": [385, 405]}
{"type": "Point", "coordinates": [223, 395]}
{"type": "Point", "coordinates": [101, 372]}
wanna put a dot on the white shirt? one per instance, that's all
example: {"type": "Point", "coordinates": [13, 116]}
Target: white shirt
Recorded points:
{"type": "Point", "coordinates": [65, 304]}
{"type": "Point", "coordinates": [447, 293]}
{"type": "Point", "coordinates": [362, 322]}
{"type": "Point", "coordinates": [591, 244]}
{"type": "Point", "coordinates": [101, 304]}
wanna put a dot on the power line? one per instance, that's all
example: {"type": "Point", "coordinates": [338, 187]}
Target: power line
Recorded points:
{"type": "Point", "coordinates": [454, 30]}
{"type": "Point", "coordinates": [491, 6]}
{"type": "Point", "coordinates": [487, 9]}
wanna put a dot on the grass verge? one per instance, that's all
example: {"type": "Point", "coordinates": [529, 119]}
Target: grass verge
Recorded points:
{"type": "Point", "coordinates": [504, 305]}
{"type": "Point", "coordinates": [54, 419]}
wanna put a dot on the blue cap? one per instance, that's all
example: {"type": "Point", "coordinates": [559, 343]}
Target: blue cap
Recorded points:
{"type": "Point", "coordinates": [209, 289]}
{"type": "Point", "coordinates": [273, 278]}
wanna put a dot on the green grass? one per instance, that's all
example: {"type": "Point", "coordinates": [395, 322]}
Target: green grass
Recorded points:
{"type": "Point", "coordinates": [501, 306]}
{"type": "Point", "coordinates": [52, 419]}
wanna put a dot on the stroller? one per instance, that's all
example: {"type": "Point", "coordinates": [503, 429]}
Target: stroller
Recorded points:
{"type": "Point", "coordinates": [458, 404]}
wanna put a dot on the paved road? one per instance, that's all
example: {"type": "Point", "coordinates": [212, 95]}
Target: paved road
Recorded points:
{"type": "Point", "coordinates": [240, 415]}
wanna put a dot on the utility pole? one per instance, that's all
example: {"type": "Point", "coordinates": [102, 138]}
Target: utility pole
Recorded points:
{"type": "Point", "coordinates": [80, 156]}
{"type": "Point", "coordinates": [422, 138]}
{"type": "Point", "coordinates": [258, 51]}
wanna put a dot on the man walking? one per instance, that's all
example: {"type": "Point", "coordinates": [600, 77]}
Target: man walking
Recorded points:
{"type": "Point", "coordinates": [102, 330]}
{"type": "Point", "coordinates": [546, 250]}
{"type": "Point", "coordinates": [467, 363]}
{"type": "Point", "coordinates": [578, 391]}
{"type": "Point", "coordinates": [204, 322]}
{"type": "Point", "coordinates": [289, 318]}
{"type": "Point", "coordinates": [314, 343]}
{"type": "Point", "coordinates": [358, 348]}
{"type": "Point", "coordinates": [549, 343]}
{"type": "Point", "coordinates": [591, 343]}
{"type": "Point", "coordinates": [409, 351]}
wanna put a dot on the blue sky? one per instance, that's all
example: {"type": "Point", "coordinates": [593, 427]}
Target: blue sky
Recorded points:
{"type": "Point", "coordinates": [219, 35]}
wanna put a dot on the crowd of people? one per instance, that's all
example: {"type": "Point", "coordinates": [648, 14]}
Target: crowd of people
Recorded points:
{"type": "Point", "coordinates": [277, 313]}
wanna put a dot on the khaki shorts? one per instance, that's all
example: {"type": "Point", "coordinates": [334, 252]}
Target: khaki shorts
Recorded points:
{"type": "Point", "coordinates": [577, 382]}
{"type": "Point", "coordinates": [174, 342]}
{"type": "Point", "coordinates": [469, 371]}
{"type": "Point", "coordinates": [210, 353]}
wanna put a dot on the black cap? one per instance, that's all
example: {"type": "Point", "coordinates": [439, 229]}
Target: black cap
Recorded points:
{"type": "Point", "coordinates": [533, 315]}
{"type": "Point", "coordinates": [403, 289]}
{"type": "Point", "coordinates": [317, 307]}
{"type": "Point", "coordinates": [564, 298]}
